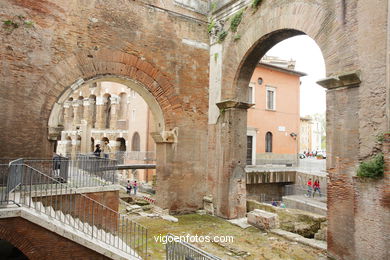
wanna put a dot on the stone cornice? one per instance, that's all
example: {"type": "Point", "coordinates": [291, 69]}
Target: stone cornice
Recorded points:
{"type": "Point", "coordinates": [226, 104]}
{"type": "Point", "coordinates": [351, 79]}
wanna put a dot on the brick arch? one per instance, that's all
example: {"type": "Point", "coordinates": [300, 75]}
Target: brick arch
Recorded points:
{"type": "Point", "coordinates": [22, 243]}
{"type": "Point", "coordinates": [85, 66]}
{"type": "Point", "coordinates": [272, 23]}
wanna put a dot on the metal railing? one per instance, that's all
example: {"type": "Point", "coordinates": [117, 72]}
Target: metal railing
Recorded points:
{"type": "Point", "coordinates": [57, 200]}
{"type": "Point", "coordinates": [180, 250]}
{"type": "Point", "coordinates": [81, 171]}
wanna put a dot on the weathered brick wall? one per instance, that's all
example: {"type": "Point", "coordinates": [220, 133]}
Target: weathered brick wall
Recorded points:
{"type": "Point", "coordinates": [164, 50]}
{"type": "Point", "coordinates": [86, 210]}
{"type": "Point", "coordinates": [372, 213]}
{"type": "Point", "coordinates": [38, 243]}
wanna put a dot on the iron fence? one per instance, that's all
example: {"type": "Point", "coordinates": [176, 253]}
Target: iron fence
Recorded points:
{"type": "Point", "coordinates": [80, 171]}
{"type": "Point", "coordinates": [43, 193]}
{"type": "Point", "coordinates": [180, 250]}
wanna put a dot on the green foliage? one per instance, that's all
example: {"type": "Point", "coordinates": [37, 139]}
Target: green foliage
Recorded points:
{"type": "Point", "coordinates": [28, 23]}
{"type": "Point", "coordinates": [221, 36]}
{"type": "Point", "coordinates": [236, 20]}
{"type": "Point", "coordinates": [216, 56]}
{"type": "Point", "coordinates": [373, 168]}
{"type": "Point", "coordinates": [237, 37]}
{"type": "Point", "coordinates": [17, 22]}
{"type": "Point", "coordinates": [211, 26]}
{"type": "Point", "coordinates": [256, 3]}
{"type": "Point", "coordinates": [10, 24]}
{"type": "Point", "coordinates": [213, 6]}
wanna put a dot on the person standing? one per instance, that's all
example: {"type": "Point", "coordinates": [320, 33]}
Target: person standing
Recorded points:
{"type": "Point", "coordinates": [97, 151]}
{"type": "Point", "coordinates": [106, 149]}
{"type": "Point", "coordinates": [135, 186]}
{"type": "Point", "coordinates": [316, 187]}
{"type": "Point", "coordinates": [309, 188]}
{"type": "Point", "coordinates": [129, 187]}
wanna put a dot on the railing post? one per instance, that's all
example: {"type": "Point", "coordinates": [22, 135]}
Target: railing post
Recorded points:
{"type": "Point", "coordinates": [93, 217]}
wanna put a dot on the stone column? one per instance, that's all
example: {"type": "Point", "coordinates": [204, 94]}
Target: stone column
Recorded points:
{"type": "Point", "coordinates": [230, 198]}
{"type": "Point", "coordinates": [75, 146]}
{"type": "Point", "coordinates": [87, 110]}
{"type": "Point", "coordinates": [100, 117]}
{"type": "Point", "coordinates": [114, 111]}
{"type": "Point", "coordinates": [68, 121]}
{"type": "Point", "coordinates": [76, 106]}
{"type": "Point", "coordinates": [343, 148]}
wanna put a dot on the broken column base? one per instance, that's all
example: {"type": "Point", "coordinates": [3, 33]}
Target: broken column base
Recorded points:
{"type": "Point", "coordinates": [263, 219]}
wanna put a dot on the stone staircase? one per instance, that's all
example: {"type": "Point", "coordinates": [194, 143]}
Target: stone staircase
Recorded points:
{"type": "Point", "coordinates": [74, 216]}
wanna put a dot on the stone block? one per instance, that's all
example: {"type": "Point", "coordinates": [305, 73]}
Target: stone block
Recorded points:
{"type": "Point", "coordinates": [263, 219]}
{"type": "Point", "coordinates": [208, 205]}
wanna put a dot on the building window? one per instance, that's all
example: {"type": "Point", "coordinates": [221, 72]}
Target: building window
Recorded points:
{"type": "Point", "coordinates": [251, 93]}
{"type": "Point", "coordinates": [249, 149]}
{"type": "Point", "coordinates": [268, 142]}
{"type": "Point", "coordinates": [271, 98]}
{"type": "Point", "coordinates": [136, 142]}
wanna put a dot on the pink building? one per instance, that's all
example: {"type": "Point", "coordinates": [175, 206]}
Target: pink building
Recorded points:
{"type": "Point", "coordinates": [274, 120]}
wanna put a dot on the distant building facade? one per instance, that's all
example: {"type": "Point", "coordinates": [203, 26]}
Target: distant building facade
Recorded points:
{"type": "Point", "coordinates": [108, 111]}
{"type": "Point", "coordinates": [273, 127]}
{"type": "Point", "coordinates": [305, 137]}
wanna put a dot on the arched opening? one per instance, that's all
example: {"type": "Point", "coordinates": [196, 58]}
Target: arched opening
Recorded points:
{"type": "Point", "coordinates": [268, 142]}
{"type": "Point", "coordinates": [92, 148]}
{"type": "Point", "coordinates": [275, 77]}
{"type": "Point", "coordinates": [68, 146]}
{"type": "Point", "coordinates": [9, 252]}
{"type": "Point", "coordinates": [136, 142]}
{"type": "Point", "coordinates": [108, 120]}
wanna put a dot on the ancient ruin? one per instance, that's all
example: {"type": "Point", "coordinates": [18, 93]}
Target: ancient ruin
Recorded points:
{"type": "Point", "coordinates": [192, 68]}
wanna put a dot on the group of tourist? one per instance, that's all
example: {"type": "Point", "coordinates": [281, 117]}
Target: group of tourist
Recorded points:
{"type": "Point", "coordinates": [106, 149]}
{"type": "Point", "coordinates": [310, 154]}
{"type": "Point", "coordinates": [313, 186]}
{"type": "Point", "coordinates": [132, 186]}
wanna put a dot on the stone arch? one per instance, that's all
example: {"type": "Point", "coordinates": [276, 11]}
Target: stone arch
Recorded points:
{"type": "Point", "coordinates": [22, 243]}
{"type": "Point", "coordinates": [110, 65]}
{"type": "Point", "coordinates": [136, 142]}
{"type": "Point", "coordinates": [273, 23]}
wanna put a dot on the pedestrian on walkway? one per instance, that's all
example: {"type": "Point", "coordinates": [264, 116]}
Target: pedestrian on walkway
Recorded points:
{"type": "Point", "coordinates": [309, 188]}
{"type": "Point", "coordinates": [106, 149]}
{"type": "Point", "coordinates": [316, 187]}
{"type": "Point", "coordinates": [135, 186]}
{"type": "Point", "coordinates": [97, 151]}
{"type": "Point", "coordinates": [129, 187]}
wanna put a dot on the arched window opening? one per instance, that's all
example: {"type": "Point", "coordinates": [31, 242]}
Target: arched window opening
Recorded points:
{"type": "Point", "coordinates": [136, 142]}
{"type": "Point", "coordinates": [268, 142]}
{"type": "Point", "coordinates": [92, 144]}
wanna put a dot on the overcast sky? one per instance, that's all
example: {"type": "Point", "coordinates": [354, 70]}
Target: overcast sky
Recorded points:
{"type": "Point", "coordinates": [309, 59]}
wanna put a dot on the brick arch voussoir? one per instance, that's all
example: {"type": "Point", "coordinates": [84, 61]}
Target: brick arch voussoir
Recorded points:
{"type": "Point", "coordinates": [20, 242]}
{"type": "Point", "coordinates": [108, 62]}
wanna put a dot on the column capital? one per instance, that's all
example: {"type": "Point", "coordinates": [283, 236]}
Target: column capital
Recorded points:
{"type": "Point", "coordinates": [76, 103]}
{"type": "Point", "coordinates": [349, 79]}
{"type": "Point", "coordinates": [227, 104]}
{"type": "Point", "coordinates": [114, 99]}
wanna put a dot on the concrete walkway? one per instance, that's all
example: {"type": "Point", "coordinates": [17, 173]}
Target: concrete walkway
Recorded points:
{"type": "Point", "coordinates": [315, 205]}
